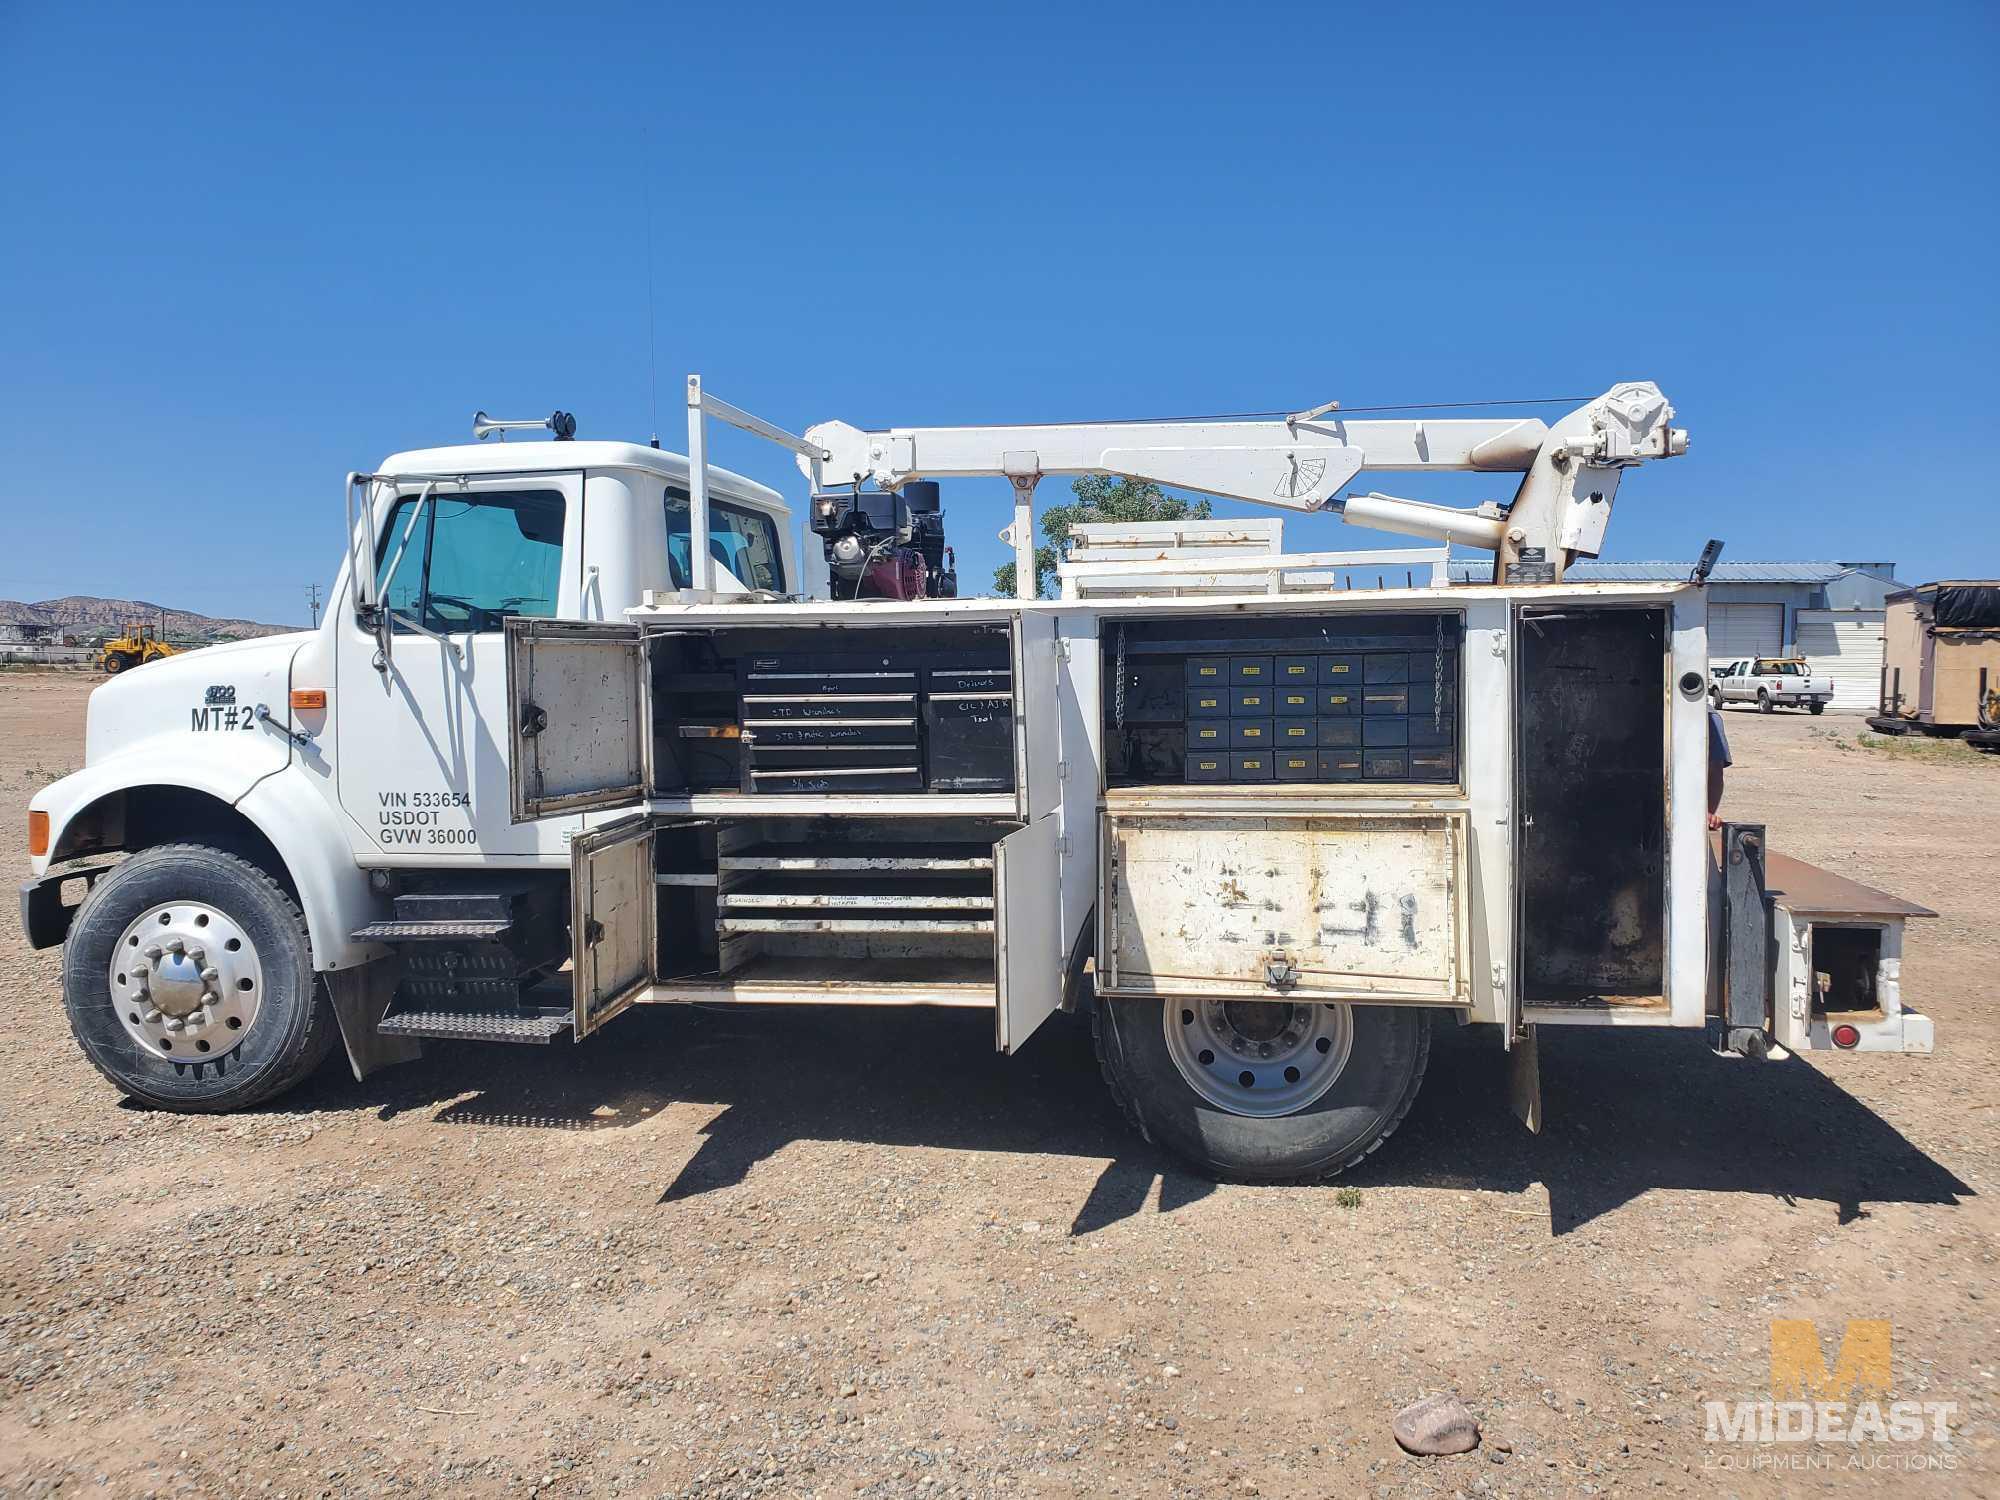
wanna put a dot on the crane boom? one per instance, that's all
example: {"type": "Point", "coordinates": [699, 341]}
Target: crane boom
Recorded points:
{"type": "Point", "coordinates": [1559, 512]}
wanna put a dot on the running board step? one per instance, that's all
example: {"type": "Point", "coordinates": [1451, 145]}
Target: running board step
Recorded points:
{"type": "Point", "coordinates": [482, 930]}
{"type": "Point", "coordinates": [538, 1026]}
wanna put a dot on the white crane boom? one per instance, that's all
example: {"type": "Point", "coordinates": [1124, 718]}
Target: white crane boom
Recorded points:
{"type": "Point", "coordinates": [1559, 512]}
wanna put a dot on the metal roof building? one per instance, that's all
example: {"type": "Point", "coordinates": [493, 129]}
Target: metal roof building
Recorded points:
{"type": "Point", "coordinates": [1828, 612]}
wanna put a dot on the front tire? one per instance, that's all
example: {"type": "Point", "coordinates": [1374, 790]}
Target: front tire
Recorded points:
{"type": "Point", "coordinates": [1377, 1055]}
{"type": "Point", "coordinates": [189, 983]}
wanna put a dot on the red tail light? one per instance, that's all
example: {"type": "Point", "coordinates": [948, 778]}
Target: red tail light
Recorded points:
{"type": "Point", "coordinates": [1846, 1036]}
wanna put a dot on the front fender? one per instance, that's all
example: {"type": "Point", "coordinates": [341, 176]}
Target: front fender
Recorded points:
{"type": "Point", "coordinates": [283, 806]}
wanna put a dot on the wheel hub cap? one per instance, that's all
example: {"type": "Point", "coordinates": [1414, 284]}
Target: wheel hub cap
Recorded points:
{"type": "Point", "coordinates": [186, 982]}
{"type": "Point", "coordinates": [1258, 1058]}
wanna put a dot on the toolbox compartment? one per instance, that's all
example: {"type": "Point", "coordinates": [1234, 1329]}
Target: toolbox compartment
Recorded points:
{"type": "Point", "coordinates": [1369, 686]}
{"type": "Point", "coordinates": [864, 710]}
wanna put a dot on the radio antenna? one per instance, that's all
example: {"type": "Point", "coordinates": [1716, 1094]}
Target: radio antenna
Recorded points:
{"type": "Point", "coordinates": [652, 341]}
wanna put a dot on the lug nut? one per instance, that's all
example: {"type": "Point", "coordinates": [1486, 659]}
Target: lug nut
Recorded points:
{"type": "Point", "coordinates": [153, 1017]}
{"type": "Point", "coordinates": [209, 976]}
{"type": "Point", "coordinates": [176, 945]}
{"type": "Point", "coordinates": [155, 952]}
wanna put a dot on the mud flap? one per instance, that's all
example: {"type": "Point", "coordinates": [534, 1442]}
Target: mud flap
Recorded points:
{"type": "Point", "coordinates": [1746, 943]}
{"type": "Point", "coordinates": [1524, 1078]}
{"type": "Point", "coordinates": [360, 998]}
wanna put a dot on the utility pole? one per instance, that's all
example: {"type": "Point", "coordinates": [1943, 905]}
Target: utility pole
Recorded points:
{"type": "Point", "coordinates": [312, 597]}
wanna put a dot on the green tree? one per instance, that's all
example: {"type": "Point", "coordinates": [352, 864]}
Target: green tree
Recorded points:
{"type": "Point", "coordinates": [1098, 498]}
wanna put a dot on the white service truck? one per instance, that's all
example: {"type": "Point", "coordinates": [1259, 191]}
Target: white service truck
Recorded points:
{"type": "Point", "coordinates": [1772, 682]}
{"type": "Point", "coordinates": [570, 740]}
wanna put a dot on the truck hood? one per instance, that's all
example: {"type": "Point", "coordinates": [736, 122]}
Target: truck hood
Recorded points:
{"type": "Point", "coordinates": [166, 696]}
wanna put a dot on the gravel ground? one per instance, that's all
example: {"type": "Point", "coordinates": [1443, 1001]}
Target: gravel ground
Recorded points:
{"type": "Point", "coordinates": [784, 1254]}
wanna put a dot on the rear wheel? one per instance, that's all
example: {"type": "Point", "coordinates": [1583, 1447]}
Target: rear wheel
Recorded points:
{"type": "Point", "coordinates": [189, 983]}
{"type": "Point", "coordinates": [1263, 1091]}
{"type": "Point", "coordinates": [1819, 705]}
{"type": "Point", "coordinates": [1764, 704]}
{"type": "Point", "coordinates": [116, 662]}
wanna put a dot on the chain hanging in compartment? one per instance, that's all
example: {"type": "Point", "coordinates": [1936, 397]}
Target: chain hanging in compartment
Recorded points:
{"type": "Point", "coordinates": [1118, 711]}
{"type": "Point", "coordinates": [1437, 679]}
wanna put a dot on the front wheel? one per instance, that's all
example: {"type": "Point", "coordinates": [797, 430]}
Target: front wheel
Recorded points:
{"type": "Point", "coordinates": [1263, 1091]}
{"type": "Point", "coordinates": [1819, 706]}
{"type": "Point", "coordinates": [189, 983]}
{"type": "Point", "coordinates": [1715, 698]}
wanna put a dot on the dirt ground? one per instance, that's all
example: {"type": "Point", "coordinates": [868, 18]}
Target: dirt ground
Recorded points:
{"type": "Point", "coordinates": [859, 1254]}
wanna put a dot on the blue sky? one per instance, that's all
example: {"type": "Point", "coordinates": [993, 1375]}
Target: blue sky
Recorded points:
{"type": "Point", "coordinates": [246, 250]}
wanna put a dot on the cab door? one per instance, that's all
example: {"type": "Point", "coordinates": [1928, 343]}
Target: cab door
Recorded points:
{"type": "Point", "coordinates": [421, 728]}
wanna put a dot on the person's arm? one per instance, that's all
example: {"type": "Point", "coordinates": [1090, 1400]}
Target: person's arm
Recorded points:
{"type": "Point", "coordinates": [1718, 762]}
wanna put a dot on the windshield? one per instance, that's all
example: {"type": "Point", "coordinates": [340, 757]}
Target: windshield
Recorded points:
{"type": "Point", "coordinates": [1780, 668]}
{"type": "Point", "coordinates": [470, 561]}
{"type": "Point", "coordinates": [742, 540]}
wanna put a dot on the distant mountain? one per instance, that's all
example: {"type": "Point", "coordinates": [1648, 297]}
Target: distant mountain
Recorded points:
{"type": "Point", "coordinates": [88, 618]}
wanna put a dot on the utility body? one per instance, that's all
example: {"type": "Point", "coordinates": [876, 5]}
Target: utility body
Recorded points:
{"type": "Point", "coordinates": [569, 740]}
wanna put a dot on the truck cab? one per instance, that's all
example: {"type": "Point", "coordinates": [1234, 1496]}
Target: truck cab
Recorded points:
{"type": "Point", "coordinates": [347, 762]}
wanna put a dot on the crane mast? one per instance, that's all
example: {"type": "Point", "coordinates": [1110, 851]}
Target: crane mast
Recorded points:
{"type": "Point", "coordinates": [1570, 468]}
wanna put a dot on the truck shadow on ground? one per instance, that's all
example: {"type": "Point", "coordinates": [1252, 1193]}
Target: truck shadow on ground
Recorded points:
{"type": "Point", "coordinates": [1645, 1112]}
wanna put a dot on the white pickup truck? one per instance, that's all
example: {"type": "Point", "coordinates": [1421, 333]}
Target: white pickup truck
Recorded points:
{"type": "Point", "coordinates": [1771, 682]}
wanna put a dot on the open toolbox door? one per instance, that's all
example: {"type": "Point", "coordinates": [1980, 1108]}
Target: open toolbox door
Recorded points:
{"type": "Point", "coordinates": [580, 734]}
{"type": "Point", "coordinates": [1027, 936]}
{"type": "Point", "coordinates": [613, 919]}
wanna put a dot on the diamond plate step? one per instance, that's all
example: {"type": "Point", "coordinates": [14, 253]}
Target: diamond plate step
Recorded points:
{"type": "Point", "coordinates": [476, 1026]}
{"type": "Point", "coordinates": [475, 931]}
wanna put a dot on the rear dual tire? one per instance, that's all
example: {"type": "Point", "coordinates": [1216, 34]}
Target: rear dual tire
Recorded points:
{"type": "Point", "coordinates": [1382, 1053]}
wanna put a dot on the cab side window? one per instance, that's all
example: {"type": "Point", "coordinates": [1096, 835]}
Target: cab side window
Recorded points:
{"type": "Point", "coordinates": [742, 540]}
{"type": "Point", "coordinates": [458, 563]}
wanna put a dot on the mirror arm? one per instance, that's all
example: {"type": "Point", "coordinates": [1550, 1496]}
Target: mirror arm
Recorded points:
{"type": "Point", "coordinates": [424, 630]}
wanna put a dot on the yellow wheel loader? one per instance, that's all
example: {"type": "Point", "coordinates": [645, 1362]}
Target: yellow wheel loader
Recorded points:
{"type": "Point", "coordinates": [133, 647]}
